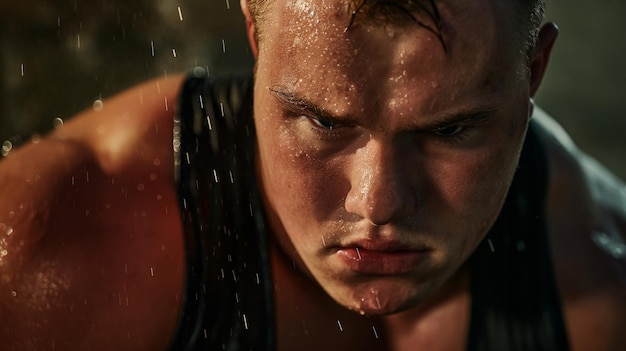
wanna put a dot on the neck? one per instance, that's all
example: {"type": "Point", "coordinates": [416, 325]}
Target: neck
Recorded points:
{"type": "Point", "coordinates": [441, 322]}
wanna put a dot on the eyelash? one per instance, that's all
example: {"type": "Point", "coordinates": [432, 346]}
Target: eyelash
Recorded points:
{"type": "Point", "coordinates": [322, 127]}
{"type": "Point", "coordinates": [454, 138]}
{"type": "Point", "coordinates": [321, 123]}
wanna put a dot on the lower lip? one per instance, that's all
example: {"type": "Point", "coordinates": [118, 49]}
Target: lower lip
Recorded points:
{"type": "Point", "coordinates": [380, 262]}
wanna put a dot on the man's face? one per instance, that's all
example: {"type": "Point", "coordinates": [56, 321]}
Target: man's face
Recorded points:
{"type": "Point", "coordinates": [385, 153]}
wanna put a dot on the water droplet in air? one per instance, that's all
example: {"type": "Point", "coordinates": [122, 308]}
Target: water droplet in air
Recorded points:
{"type": "Point", "coordinates": [57, 122]}
{"type": "Point", "coordinates": [199, 72]}
{"type": "Point", "coordinates": [375, 332]}
{"type": "Point", "coordinates": [6, 148]}
{"type": "Point", "coordinates": [491, 245]}
{"type": "Point", "coordinates": [98, 105]}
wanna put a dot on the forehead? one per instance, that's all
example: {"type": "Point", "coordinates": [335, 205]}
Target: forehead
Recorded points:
{"type": "Point", "coordinates": [308, 46]}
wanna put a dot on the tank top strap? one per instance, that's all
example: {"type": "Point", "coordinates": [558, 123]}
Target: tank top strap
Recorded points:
{"type": "Point", "coordinates": [227, 302]}
{"type": "Point", "coordinates": [515, 301]}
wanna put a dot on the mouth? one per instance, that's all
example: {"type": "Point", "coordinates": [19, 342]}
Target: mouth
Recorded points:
{"type": "Point", "coordinates": [380, 260]}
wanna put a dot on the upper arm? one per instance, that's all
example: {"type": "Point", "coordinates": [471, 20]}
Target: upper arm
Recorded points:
{"type": "Point", "coordinates": [88, 224]}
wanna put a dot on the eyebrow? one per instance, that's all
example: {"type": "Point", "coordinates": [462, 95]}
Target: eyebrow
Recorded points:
{"type": "Point", "coordinates": [468, 115]}
{"type": "Point", "coordinates": [299, 104]}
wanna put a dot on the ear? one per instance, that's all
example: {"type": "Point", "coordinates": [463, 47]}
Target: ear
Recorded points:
{"type": "Point", "coordinates": [250, 28]}
{"type": "Point", "coordinates": [541, 55]}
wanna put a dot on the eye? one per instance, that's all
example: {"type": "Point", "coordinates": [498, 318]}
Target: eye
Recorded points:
{"type": "Point", "coordinates": [449, 131]}
{"type": "Point", "coordinates": [322, 123]}
{"type": "Point", "coordinates": [329, 129]}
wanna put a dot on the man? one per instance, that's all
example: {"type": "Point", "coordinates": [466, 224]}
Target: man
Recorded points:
{"type": "Point", "coordinates": [388, 137]}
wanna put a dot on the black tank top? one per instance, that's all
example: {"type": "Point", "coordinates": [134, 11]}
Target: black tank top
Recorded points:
{"type": "Point", "coordinates": [228, 303]}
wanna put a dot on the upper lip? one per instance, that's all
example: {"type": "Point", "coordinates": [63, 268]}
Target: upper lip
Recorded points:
{"type": "Point", "coordinates": [381, 239]}
{"type": "Point", "coordinates": [383, 245]}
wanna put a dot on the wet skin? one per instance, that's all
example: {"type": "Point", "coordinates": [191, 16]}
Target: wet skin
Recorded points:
{"type": "Point", "coordinates": [385, 155]}
{"type": "Point", "coordinates": [92, 253]}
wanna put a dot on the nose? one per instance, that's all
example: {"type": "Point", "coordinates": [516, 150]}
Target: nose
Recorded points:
{"type": "Point", "coordinates": [382, 188]}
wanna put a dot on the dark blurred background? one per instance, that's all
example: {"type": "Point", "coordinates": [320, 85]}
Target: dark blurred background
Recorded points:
{"type": "Point", "coordinates": [57, 57]}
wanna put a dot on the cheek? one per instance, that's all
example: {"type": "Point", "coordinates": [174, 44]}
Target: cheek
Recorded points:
{"type": "Point", "coordinates": [469, 190]}
{"type": "Point", "coordinates": [302, 187]}
{"type": "Point", "coordinates": [477, 180]}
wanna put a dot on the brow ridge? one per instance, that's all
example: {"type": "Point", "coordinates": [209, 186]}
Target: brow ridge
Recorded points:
{"type": "Point", "coordinates": [462, 116]}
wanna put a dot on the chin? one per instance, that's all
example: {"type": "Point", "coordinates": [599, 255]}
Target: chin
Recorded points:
{"type": "Point", "coordinates": [380, 299]}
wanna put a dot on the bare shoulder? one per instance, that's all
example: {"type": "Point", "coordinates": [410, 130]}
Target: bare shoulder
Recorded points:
{"type": "Point", "coordinates": [129, 126]}
{"type": "Point", "coordinates": [587, 223]}
{"type": "Point", "coordinates": [88, 225]}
